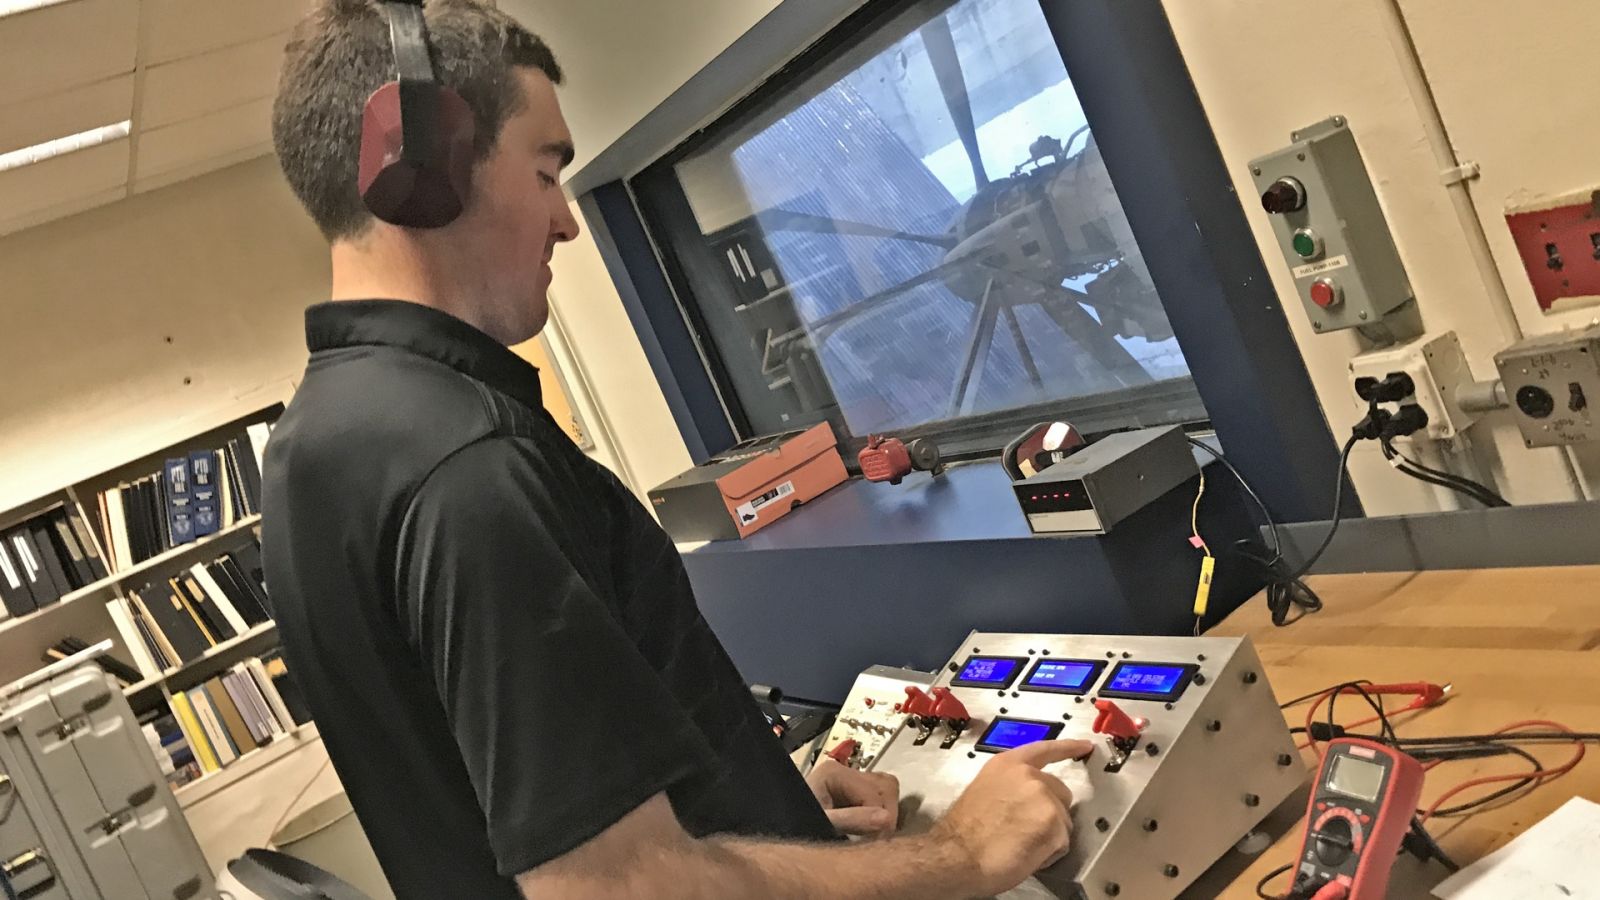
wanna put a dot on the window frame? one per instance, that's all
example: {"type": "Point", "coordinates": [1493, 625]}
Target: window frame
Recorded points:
{"type": "Point", "coordinates": [661, 203]}
{"type": "Point", "coordinates": [1171, 179]}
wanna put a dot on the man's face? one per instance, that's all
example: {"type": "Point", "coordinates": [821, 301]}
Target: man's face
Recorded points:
{"type": "Point", "coordinates": [518, 213]}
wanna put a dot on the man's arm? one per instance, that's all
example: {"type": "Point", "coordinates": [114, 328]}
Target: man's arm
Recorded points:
{"type": "Point", "coordinates": [1012, 821]}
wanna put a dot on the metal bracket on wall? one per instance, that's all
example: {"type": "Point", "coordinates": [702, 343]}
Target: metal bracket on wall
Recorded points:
{"type": "Point", "coordinates": [1467, 171]}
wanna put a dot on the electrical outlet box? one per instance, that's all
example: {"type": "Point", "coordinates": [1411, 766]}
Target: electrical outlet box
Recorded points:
{"type": "Point", "coordinates": [1553, 382]}
{"type": "Point", "coordinates": [1559, 242]}
{"type": "Point", "coordinates": [1438, 368]}
{"type": "Point", "coordinates": [1333, 233]}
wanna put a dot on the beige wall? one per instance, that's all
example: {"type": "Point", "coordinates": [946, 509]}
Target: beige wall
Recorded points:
{"type": "Point", "coordinates": [1492, 66]}
{"type": "Point", "coordinates": [118, 325]}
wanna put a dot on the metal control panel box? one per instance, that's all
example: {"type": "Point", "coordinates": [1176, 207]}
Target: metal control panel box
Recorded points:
{"type": "Point", "coordinates": [1553, 382]}
{"type": "Point", "coordinates": [872, 715]}
{"type": "Point", "coordinates": [1192, 751]}
{"type": "Point", "coordinates": [1333, 233]}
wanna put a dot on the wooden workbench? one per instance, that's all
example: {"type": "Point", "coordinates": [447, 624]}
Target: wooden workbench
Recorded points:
{"type": "Point", "coordinates": [1514, 643]}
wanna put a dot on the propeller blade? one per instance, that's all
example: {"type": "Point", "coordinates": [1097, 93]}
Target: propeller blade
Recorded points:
{"type": "Point", "coordinates": [941, 44]}
{"type": "Point", "coordinates": [789, 220]}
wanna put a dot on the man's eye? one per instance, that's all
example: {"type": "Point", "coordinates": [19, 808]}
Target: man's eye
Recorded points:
{"type": "Point", "coordinates": [546, 180]}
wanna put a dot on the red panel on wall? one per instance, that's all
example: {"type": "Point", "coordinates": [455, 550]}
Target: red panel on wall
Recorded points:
{"type": "Point", "coordinates": [1560, 248]}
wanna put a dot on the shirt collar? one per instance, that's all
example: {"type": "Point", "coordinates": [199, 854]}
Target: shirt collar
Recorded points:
{"type": "Point", "coordinates": [427, 332]}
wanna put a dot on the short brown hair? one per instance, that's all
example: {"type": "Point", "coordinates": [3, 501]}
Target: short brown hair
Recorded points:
{"type": "Point", "coordinates": [340, 54]}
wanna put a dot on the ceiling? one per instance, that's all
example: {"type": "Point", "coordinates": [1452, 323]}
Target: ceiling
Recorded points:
{"type": "Point", "coordinates": [196, 78]}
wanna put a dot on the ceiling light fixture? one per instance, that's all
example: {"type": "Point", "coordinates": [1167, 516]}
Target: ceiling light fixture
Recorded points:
{"type": "Point", "coordinates": [72, 143]}
{"type": "Point", "coordinates": [13, 7]}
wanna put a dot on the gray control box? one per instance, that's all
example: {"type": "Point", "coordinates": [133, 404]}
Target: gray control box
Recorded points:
{"type": "Point", "coordinates": [1333, 233]}
{"type": "Point", "coordinates": [1553, 382]}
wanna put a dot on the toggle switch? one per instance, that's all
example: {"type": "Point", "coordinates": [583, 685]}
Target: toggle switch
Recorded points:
{"type": "Point", "coordinates": [917, 703]}
{"type": "Point", "coordinates": [946, 706]}
{"type": "Point", "coordinates": [1113, 722]}
{"type": "Point", "coordinates": [845, 751]}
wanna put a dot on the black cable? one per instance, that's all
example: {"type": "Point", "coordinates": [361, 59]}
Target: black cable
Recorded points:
{"type": "Point", "coordinates": [1430, 847]}
{"type": "Point", "coordinates": [1286, 591]}
{"type": "Point", "coordinates": [1315, 694]}
{"type": "Point", "coordinates": [1489, 798]}
{"type": "Point", "coordinates": [1460, 484]}
{"type": "Point", "coordinates": [1261, 886]}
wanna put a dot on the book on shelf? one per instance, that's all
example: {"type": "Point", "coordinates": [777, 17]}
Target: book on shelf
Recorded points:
{"type": "Point", "coordinates": [44, 558]}
{"type": "Point", "coordinates": [189, 497]}
{"type": "Point", "coordinates": [168, 623]}
{"type": "Point", "coordinates": [221, 720]}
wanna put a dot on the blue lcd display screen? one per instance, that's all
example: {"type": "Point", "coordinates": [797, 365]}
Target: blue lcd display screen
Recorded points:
{"type": "Point", "coordinates": [988, 671]}
{"type": "Point", "coordinates": [1008, 734]}
{"type": "Point", "coordinates": [1063, 676]}
{"type": "Point", "coordinates": [1149, 681]}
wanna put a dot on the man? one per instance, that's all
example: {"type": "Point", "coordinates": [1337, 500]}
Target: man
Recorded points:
{"type": "Point", "coordinates": [499, 645]}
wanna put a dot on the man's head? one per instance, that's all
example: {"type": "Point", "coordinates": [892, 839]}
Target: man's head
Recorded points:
{"type": "Point", "coordinates": [493, 261]}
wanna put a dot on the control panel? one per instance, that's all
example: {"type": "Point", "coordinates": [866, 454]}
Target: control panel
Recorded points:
{"type": "Point", "coordinates": [873, 713]}
{"type": "Point", "coordinates": [1552, 381]}
{"type": "Point", "coordinates": [1333, 234]}
{"type": "Point", "coordinates": [1191, 749]}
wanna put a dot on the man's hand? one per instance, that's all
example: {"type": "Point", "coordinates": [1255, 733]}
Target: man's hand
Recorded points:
{"type": "Point", "coordinates": [864, 803]}
{"type": "Point", "coordinates": [1013, 819]}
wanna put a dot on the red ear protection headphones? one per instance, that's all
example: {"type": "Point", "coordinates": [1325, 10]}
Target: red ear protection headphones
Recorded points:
{"type": "Point", "coordinates": [1039, 448]}
{"type": "Point", "coordinates": [416, 134]}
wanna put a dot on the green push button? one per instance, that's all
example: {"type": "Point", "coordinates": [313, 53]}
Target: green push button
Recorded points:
{"type": "Point", "coordinates": [1307, 244]}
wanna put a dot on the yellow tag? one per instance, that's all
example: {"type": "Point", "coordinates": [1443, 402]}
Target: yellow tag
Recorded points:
{"type": "Point", "coordinates": [1202, 592]}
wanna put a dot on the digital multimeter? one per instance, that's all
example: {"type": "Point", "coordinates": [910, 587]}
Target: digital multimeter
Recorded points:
{"type": "Point", "coordinates": [1361, 808]}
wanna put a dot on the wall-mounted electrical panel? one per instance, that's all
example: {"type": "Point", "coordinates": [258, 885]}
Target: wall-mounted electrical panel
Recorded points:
{"type": "Point", "coordinates": [1333, 234]}
{"type": "Point", "coordinates": [1559, 242]}
{"type": "Point", "coordinates": [1553, 382]}
{"type": "Point", "coordinates": [1437, 367]}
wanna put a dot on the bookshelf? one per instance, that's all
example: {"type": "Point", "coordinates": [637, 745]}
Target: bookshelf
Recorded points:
{"type": "Point", "coordinates": [82, 612]}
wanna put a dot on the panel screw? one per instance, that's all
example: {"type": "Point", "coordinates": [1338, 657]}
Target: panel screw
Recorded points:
{"type": "Point", "coordinates": [1169, 870]}
{"type": "Point", "coordinates": [1212, 726]}
{"type": "Point", "coordinates": [1316, 326]}
{"type": "Point", "coordinates": [1252, 800]}
{"type": "Point", "coordinates": [1111, 654]}
{"type": "Point", "coordinates": [1102, 825]}
{"type": "Point", "coordinates": [1338, 120]}
{"type": "Point", "coordinates": [1199, 679]}
{"type": "Point", "coordinates": [971, 755]}
{"type": "Point", "coordinates": [1003, 710]}
{"type": "Point", "coordinates": [1126, 654]}
{"type": "Point", "coordinates": [1077, 699]}
{"type": "Point", "coordinates": [1363, 315]}
{"type": "Point", "coordinates": [1152, 749]}
{"type": "Point", "coordinates": [1044, 652]}
{"type": "Point", "coordinates": [1249, 678]}
{"type": "Point", "coordinates": [1201, 657]}
{"type": "Point", "coordinates": [1255, 170]}
{"type": "Point", "coordinates": [1066, 717]}
{"type": "Point", "coordinates": [1001, 693]}
{"type": "Point", "coordinates": [1300, 156]}
{"type": "Point", "coordinates": [1285, 759]}
{"type": "Point", "coordinates": [1150, 825]}
{"type": "Point", "coordinates": [954, 667]}
{"type": "Point", "coordinates": [1030, 652]}
{"type": "Point", "coordinates": [1015, 694]}
{"type": "Point", "coordinates": [1169, 706]}
{"type": "Point", "coordinates": [1113, 889]}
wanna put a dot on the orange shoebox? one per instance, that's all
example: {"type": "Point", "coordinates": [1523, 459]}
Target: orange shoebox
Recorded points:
{"type": "Point", "coordinates": [749, 487]}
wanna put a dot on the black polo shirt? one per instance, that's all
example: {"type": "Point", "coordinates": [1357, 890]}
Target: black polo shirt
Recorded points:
{"type": "Point", "coordinates": [499, 645]}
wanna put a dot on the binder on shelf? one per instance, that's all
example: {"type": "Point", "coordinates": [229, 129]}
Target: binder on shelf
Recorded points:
{"type": "Point", "coordinates": [219, 598]}
{"type": "Point", "coordinates": [195, 732]}
{"type": "Point", "coordinates": [239, 734]}
{"type": "Point", "coordinates": [171, 620]}
{"type": "Point", "coordinates": [193, 612]}
{"type": "Point", "coordinates": [97, 568]}
{"type": "Point", "coordinates": [45, 548]}
{"type": "Point", "coordinates": [115, 523]}
{"type": "Point", "coordinates": [256, 435]}
{"type": "Point", "coordinates": [251, 688]}
{"type": "Point", "coordinates": [212, 723]}
{"type": "Point", "coordinates": [210, 615]}
{"type": "Point", "coordinates": [227, 573]}
{"type": "Point", "coordinates": [15, 594]}
{"type": "Point", "coordinates": [203, 487]}
{"type": "Point", "coordinates": [33, 576]}
{"type": "Point", "coordinates": [139, 647]}
{"type": "Point", "coordinates": [180, 518]}
{"type": "Point", "coordinates": [245, 461]}
{"type": "Point", "coordinates": [69, 551]}
{"type": "Point", "coordinates": [269, 692]}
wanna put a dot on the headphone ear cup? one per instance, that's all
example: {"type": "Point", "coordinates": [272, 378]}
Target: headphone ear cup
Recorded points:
{"type": "Point", "coordinates": [401, 192]}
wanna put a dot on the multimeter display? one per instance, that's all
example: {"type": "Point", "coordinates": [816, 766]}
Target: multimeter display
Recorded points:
{"type": "Point", "coordinates": [1356, 778]}
{"type": "Point", "coordinates": [1008, 734]}
{"type": "Point", "coordinates": [989, 671]}
{"type": "Point", "coordinates": [1149, 681]}
{"type": "Point", "coordinates": [1063, 676]}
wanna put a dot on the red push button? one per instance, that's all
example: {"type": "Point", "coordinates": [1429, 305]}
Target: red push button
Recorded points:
{"type": "Point", "coordinates": [1326, 293]}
